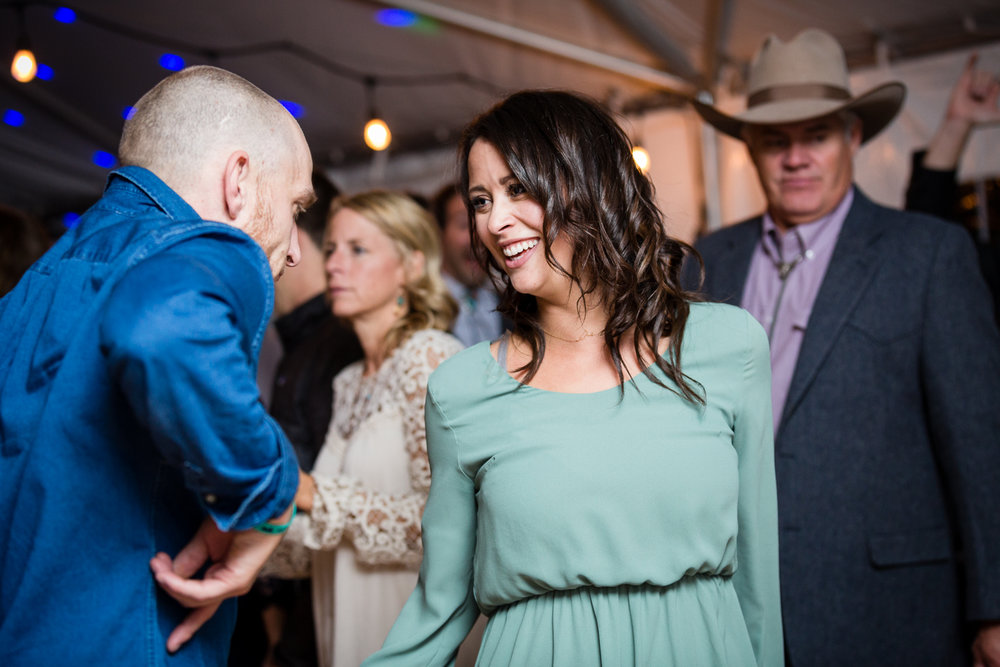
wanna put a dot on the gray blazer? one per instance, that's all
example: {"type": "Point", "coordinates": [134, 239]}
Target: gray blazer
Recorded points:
{"type": "Point", "coordinates": [888, 449]}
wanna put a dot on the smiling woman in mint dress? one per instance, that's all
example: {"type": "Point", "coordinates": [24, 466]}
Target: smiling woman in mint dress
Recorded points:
{"type": "Point", "coordinates": [602, 475]}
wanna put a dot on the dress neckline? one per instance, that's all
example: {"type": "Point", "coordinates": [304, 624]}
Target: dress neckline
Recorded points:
{"type": "Point", "coordinates": [502, 367]}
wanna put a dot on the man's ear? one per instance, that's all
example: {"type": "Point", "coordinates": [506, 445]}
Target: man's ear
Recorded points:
{"type": "Point", "coordinates": [236, 184]}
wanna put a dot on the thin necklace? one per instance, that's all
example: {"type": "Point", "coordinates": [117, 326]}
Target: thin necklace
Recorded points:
{"type": "Point", "coordinates": [366, 387]}
{"type": "Point", "coordinates": [586, 334]}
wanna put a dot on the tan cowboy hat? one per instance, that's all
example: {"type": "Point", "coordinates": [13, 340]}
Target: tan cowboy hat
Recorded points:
{"type": "Point", "coordinates": [801, 80]}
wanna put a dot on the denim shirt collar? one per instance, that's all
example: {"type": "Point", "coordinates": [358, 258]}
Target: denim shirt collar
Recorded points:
{"type": "Point", "coordinates": [142, 182]}
{"type": "Point", "coordinates": [155, 189]}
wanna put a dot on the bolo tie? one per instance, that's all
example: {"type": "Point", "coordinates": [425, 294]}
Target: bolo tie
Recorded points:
{"type": "Point", "coordinates": [784, 270]}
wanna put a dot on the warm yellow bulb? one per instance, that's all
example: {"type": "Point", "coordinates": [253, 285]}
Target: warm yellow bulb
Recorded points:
{"type": "Point", "coordinates": [377, 135]}
{"type": "Point", "coordinates": [24, 67]}
{"type": "Point", "coordinates": [641, 157]}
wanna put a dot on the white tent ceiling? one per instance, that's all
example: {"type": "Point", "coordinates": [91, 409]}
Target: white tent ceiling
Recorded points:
{"type": "Point", "coordinates": [430, 78]}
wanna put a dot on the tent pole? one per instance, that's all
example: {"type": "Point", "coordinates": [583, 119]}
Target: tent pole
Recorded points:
{"type": "Point", "coordinates": [710, 176]}
{"type": "Point", "coordinates": [717, 21]}
{"type": "Point", "coordinates": [549, 45]}
{"type": "Point", "coordinates": [636, 20]}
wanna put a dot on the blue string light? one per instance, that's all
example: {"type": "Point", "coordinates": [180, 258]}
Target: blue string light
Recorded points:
{"type": "Point", "coordinates": [70, 220]}
{"type": "Point", "coordinates": [171, 62]}
{"type": "Point", "coordinates": [13, 118]}
{"type": "Point", "coordinates": [45, 73]}
{"type": "Point", "coordinates": [128, 112]}
{"type": "Point", "coordinates": [104, 159]}
{"type": "Point", "coordinates": [297, 110]}
{"type": "Point", "coordinates": [396, 18]}
{"type": "Point", "coordinates": [65, 15]}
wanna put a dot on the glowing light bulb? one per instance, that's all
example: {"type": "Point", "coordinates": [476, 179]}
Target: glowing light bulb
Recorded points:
{"type": "Point", "coordinates": [641, 158]}
{"type": "Point", "coordinates": [377, 134]}
{"type": "Point", "coordinates": [23, 67]}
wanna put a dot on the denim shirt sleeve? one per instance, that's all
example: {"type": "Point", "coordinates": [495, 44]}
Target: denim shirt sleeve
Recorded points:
{"type": "Point", "coordinates": [177, 335]}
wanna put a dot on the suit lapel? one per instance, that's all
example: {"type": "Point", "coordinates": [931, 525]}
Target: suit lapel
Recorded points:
{"type": "Point", "coordinates": [852, 266]}
{"type": "Point", "coordinates": [727, 276]}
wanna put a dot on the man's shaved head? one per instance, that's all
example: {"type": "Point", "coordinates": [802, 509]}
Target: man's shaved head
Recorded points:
{"type": "Point", "coordinates": [230, 150]}
{"type": "Point", "coordinates": [191, 118]}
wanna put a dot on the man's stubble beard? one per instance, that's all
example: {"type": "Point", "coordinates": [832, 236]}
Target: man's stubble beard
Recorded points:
{"type": "Point", "coordinates": [261, 228]}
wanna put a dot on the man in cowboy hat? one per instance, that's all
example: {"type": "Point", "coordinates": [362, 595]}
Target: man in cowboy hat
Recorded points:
{"type": "Point", "coordinates": [886, 381]}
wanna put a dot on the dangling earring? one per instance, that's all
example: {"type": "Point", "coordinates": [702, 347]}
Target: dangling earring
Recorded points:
{"type": "Point", "coordinates": [400, 305]}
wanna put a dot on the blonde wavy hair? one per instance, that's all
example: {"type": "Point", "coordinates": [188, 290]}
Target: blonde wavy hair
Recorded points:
{"type": "Point", "coordinates": [429, 304]}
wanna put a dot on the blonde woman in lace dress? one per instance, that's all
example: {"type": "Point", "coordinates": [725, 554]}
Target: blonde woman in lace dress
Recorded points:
{"type": "Point", "coordinates": [358, 528]}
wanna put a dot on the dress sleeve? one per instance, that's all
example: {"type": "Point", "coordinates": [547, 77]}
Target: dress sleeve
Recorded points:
{"type": "Point", "coordinates": [442, 609]}
{"type": "Point", "coordinates": [756, 578]}
{"type": "Point", "coordinates": [291, 560]}
{"type": "Point", "coordinates": [385, 529]}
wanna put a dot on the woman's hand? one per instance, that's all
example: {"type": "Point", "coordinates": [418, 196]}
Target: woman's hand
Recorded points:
{"type": "Point", "coordinates": [305, 492]}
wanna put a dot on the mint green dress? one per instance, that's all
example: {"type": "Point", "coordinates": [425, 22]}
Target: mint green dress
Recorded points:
{"type": "Point", "coordinates": [596, 529]}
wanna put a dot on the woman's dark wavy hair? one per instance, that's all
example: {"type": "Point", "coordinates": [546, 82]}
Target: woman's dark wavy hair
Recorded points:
{"type": "Point", "coordinates": [574, 160]}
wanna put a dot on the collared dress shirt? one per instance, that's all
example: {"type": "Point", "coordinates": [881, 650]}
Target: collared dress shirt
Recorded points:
{"type": "Point", "coordinates": [128, 413]}
{"type": "Point", "coordinates": [783, 306]}
{"type": "Point", "coordinates": [477, 318]}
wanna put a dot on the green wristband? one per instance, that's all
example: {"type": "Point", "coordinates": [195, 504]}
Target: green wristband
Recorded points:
{"type": "Point", "coordinates": [273, 528]}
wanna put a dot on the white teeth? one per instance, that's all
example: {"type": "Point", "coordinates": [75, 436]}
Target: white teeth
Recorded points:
{"type": "Point", "coordinates": [515, 249]}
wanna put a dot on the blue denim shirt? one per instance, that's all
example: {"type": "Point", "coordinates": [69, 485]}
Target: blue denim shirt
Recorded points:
{"type": "Point", "coordinates": [129, 411]}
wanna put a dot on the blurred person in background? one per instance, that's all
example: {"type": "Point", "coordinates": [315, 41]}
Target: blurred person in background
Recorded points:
{"type": "Point", "coordinates": [933, 188]}
{"type": "Point", "coordinates": [885, 379]}
{"type": "Point", "coordinates": [358, 531]}
{"type": "Point", "coordinates": [275, 621]}
{"type": "Point", "coordinates": [477, 318]}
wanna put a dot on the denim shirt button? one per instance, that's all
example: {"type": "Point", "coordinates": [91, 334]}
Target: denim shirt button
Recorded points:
{"type": "Point", "coordinates": [210, 498]}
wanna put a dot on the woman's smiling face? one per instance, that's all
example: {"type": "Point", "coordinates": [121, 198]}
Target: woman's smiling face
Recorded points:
{"type": "Point", "coordinates": [510, 224]}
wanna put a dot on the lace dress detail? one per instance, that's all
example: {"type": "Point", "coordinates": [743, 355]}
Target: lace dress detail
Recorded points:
{"type": "Point", "coordinates": [383, 528]}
